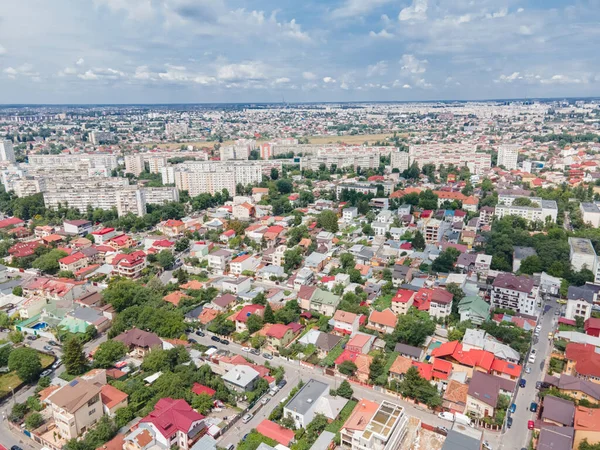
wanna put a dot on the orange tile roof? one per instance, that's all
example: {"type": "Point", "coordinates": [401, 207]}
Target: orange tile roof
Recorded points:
{"type": "Point", "coordinates": [456, 392]}
{"type": "Point", "coordinates": [175, 297]}
{"type": "Point", "coordinates": [587, 419]}
{"type": "Point", "coordinates": [192, 284]}
{"type": "Point", "coordinates": [207, 315]}
{"type": "Point", "coordinates": [361, 415]}
{"type": "Point", "coordinates": [385, 317]}
{"type": "Point", "coordinates": [111, 396]}
{"type": "Point", "coordinates": [344, 316]}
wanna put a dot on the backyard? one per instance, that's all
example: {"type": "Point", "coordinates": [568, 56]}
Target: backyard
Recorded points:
{"type": "Point", "coordinates": [11, 380]}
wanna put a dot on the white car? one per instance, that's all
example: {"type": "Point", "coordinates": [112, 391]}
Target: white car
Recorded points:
{"type": "Point", "coordinates": [531, 358]}
{"type": "Point", "coordinates": [247, 418]}
{"type": "Point", "coordinates": [486, 445]}
{"type": "Point", "coordinates": [246, 349]}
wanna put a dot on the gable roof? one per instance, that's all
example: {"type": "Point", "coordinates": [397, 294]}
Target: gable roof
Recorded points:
{"type": "Point", "coordinates": [72, 396]}
{"type": "Point", "coordinates": [170, 416]}
{"type": "Point", "coordinates": [276, 432]}
{"type": "Point", "coordinates": [139, 338]}
{"type": "Point", "coordinates": [386, 318]}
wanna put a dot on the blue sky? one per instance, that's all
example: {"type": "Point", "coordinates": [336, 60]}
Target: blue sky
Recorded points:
{"type": "Point", "coordinates": [150, 51]}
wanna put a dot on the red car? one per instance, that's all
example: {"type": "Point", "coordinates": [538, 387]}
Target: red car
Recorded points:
{"type": "Point", "coordinates": [530, 424]}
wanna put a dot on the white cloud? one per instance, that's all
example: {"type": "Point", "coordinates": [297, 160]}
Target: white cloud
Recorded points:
{"type": "Point", "coordinates": [352, 8]}
{"type": "Point", "coordinates": [406, 86]}
{"type": "Point", "coordinates": [525, 30]}
{"type": "Point", "coordinates": [345, 86]}
{"type": "Point", "coordinates": [509, 78]}
{"type": "Point", "coordinates": [2, 50]}
{"type": "Point", "coordinates": [423, 84]}
{"type": "Point", "coordinates": [242, 72]}
{"type": "Point", "coordinates": [328, 80]}
{"type": "Point", "coordinates": [309, 76]}
{"type": "Point", "coordinates": [498, 14]}
{"type": "Point", "coordinates": [67, 71]}
{"type": "Point", "coordinates": [377, 69]}
{"type": "Point", "coordinates": [384, 34]}
{"type": "Point", "coordinates": [282, 80]}
{"type": "Point", "coordinates": [564, 79]}
{"type": "Point", "coordinates": [80, 61]}
{"type": "Point", "coordinates": [88, 75]}
{"type": "Point", "coordinates": [416, 11]}
{"type": "Point", "coordinates": [24, 70]}
{"type": "Point", "coordinates": [413, 65]}
{"type": "Point", "coordinates": [139, 10]}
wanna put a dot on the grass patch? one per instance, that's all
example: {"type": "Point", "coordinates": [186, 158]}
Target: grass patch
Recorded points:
{"type": "Point", "coordinates": [565, 327]}
{"type": "Point", "coordinates": [336, 425]}
{"type": "Point", "coordinates": [383, 302]}
{"type": "Point", "coordinates": [46, 360]}
{"type": "Point", "coordinates": [7, 381]}
{"type": "Point", "coordinates": [65, 376]}
{"type": "Point", "coordinates": [335, 352]}
{"type": "Point", "coordinates": [556, 366]}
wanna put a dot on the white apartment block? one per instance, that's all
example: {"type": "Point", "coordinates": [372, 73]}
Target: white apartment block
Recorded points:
{"type": "Point", "coordinates": [590, 214]}
{"type": "Point", "coordinates": [130, 201]}
{"type": "Point", "coordinates": [232, 152]}
{"type": "Point", "coordinates": [157, 163]}
{"type": "Point", "coordinates": [200, 177]}
{"type": "Point", "coordinates": [168, 174]}
{"type": "Point", "coordinates": [545, 210]}
{"type": "Point", "coordinates": [582, 255]}
{"type": "Point", "coordinates": [364, 188]}
{"type": "Point", "coordinates": [90, 160]}
{"type": "Point", "coordinates": [455, 154]}
{"type": "Point", "coordinates": [515, 292]}
{"type": "Point", "coordinates": [508, 155]}
{"type": "Point", "coordinates": [7, 152]}
{"type": "Point", "coordinates": [134, 164]}
{"type": "Point", "coordinates": [29, 186]}
{"type": "Point", "coordinates": [400, 160]}
{"type": "Point", "coordinates": [160, 195]}
{"type": "Point", "coordinates": [342, 157]}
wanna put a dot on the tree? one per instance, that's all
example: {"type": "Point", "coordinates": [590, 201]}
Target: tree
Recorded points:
{"type": "Point", "coordinates": [18, 291]}
{"type": "Point", "coordinates": [412, 328]}
{"type": "Point", "coordinates": [203, 403]}
{"type": "Point", "coordinates": [376, 368]}
{"type": "Point", "coordinates": [16, 337]}
{"type": "Point", "coordinates": [457, 295]}
{"type": "Point", "coordinates": [5, 351]}
{"type": "Point", "coordinates": [26, 363]}
{"type": "Point", "coordinates": [292, 259]}
{"type": "Point", "coordinates": [355, 276]}
{"type": "Point", "coordinates": [487, 185]}
{"type": "Point", "coordinates": [585, 445]}
{"type": "Point", "coordinates": [428, 200]}
{"type": "Point", "coordinates": [254, 323]}
{"type": "Point", "coordinates": [415, 386]}
{"type": "Point", "coordinates": [108, 353]}
{"type": "Point", "coordinates": [530, 265]}
{"type": "Point", "coordinates": [35, 420]}
{"type": "Point", "coordinates": [418, 242]}
{"type": "Point", "coordinates": [269, 316]}
{"type": "Point", "coordinates": [328, 220]}
{"type": "Point", "coordinates": [347, 368]}
{"type": "Point", "coordinates": [284, 186]}
{"type": "Point", "coordinates": [347, 261]}
{"type": "Point", "coordinates": [165, 258]}
{"type": "Point", "coordinates": [274, 174]}
{"type": "Point", "coordinates": [48, 262]}
{"type": "Point", "coordinates": [74, 357]}
{"type": "Point", "coordinates": [257, 341]}
{"type": "Point", "coordinates": [345, 390]}
{"type": "Point", "coordinates": [182, 245]}
{"type": "Point", "coordinates": [446, 260]}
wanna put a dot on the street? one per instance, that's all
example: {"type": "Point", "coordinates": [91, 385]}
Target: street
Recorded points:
{"type": "Point", "coordinates": [518, 435]}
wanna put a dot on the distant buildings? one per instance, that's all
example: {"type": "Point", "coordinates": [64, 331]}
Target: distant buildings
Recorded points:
{"type": "Point", "coordinates": [7, 152]}
{"type": "Point", "coordinates": [446, 154]}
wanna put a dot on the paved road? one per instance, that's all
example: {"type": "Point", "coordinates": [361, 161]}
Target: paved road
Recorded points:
{"type": "Point", "coordinates": [518, 436]}
{"type": "Point", "coordinates": [294, 373]}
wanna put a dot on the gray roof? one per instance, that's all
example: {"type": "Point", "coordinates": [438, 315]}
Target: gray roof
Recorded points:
{"type": "Point", "coordinates": [307, 396]}
{"type": "Point", "coordinates": [523, 252]}
{"type": "Point", "coordinates": [589, 207]}
{"type": "Point", "coordinates": [206, 442]}
{"type": "Point", "coordinates": [241, 375]}
{"type": "Point", "coordinates": [458, 441]}
{"type": "Point", "coordinates": [571, 383]}
{"type": "Point", "coordinates": [323, 441]}
{"type": "Point", "coordinates": [86, 314]}
{"type": "Point", "coordinates": [580, 293]}
{"type": "Point", "coordinates": [558, 410]}
{"type": "Point", "coordinates": [555, 438]}
{"type": "Point", "coordinates": [327, 341]}
{"type": "Point", "coordinates": [486, 388]}
{"type": "Point", "coordinates": [404, 349]}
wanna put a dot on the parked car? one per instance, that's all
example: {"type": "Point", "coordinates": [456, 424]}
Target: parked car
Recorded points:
{"type": "Point", "coordinates": [443, 430]}
{"type": "Point", "coordinates": [246, 349]}
{"type": "Point", "coordinates": [267, 356]}
{"type": "Point", "coordinates": [446, 416]}
{"type": "Point", "coordinates": [200, 333]}
{"type": "Point", "coordinates": [255, 351]}
{"type": "Point", "coordinates": [53, 343]}
{"type": "Point", "coordinates": [192, 341]}
{"type": "Point", "coordinates": [211, 346]}
{"type": "Point", "coordinates": [215, 338]}
{"type": "Point", "coordinates": [16, 447]}
{"type": "Point", "coordinates": [509, 422]}
{"type": "Point", "coordinates": [538, 385]}
{"type": "Point", "coordinates": [46, 372]}
{"type": "Point", "coordinates": [224, 342]}
{"type": "Point", "coordinates": [522, 382]}
{"type": "Point", "coordinates": [533, 407]}
{"type": "Point", "coordinates": [32, 337]}
{"type": "Point", "coordinates": [530, 424]}
{"type": "Point", "coordinates": [486, 445]}
{"type": "Point", "coordinates": [48, 348]}
{"type": "Point", "coordinates": [247, 418]}
{"type": "Point", "coordinates": [528, 369]}
{"type": "Point", "coordinates": [281, 384]}
{"type": "Point", "coordinates": [513, 408]}
{"type": "Point", "coordinates": [265, 400]}
{"type": "Point", "coordinates": [57, 363]}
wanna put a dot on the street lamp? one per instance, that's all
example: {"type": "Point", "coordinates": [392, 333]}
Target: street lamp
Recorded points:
{"type": "Point", "coordinates": [13, 394]}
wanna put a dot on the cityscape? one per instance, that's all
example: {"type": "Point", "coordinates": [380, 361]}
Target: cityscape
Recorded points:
{"type": "Point", "coordinates": [334, 225]}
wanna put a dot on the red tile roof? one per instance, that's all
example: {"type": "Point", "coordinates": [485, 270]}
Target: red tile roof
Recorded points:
{"type": "Point", "coordinates": [11, 221]}
{"type": "Point", "coordinates": [385, 317]}
{"type": "Point", "coordinates": [278, 330]}
{"type": "Point", "coordinates": [276, 432]}
{"type": "Point", "coordinates": [247, 311]}
{"type": "Point", "coordinates": [170, 416]}
{"type": "Point", "coordinates": [587, 361]}
{"type": "Point", "coordinates": [513, 370]}
{"type": "Point", "coordinates": [198, 389]}
{"type": "Point", "coordinates": [403, 296]}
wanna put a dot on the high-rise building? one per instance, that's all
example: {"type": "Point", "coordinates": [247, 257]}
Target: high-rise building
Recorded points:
{"type": "Point", "coordinates": [155, 164]}
{"type": "Point", "coordinates": [7, 152]}
{"type": "Point", "coordinates": [134, 164]}
{"type": "Point", "coordinates": [508, 156]}
{"type": "Point", "coordinates": [399, 160]}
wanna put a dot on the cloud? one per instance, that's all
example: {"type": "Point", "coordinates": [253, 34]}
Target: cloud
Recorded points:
{"type": "Point", "coordinates": [509, 78]}
{"type": "Point", "coordinates": [383, 34]}
{"type": "Point", "coordinates": [379, 68]}
{"type": "Point", "coordinates": [525, 30]}
{"type": "Point", "coordinates": [328, 80]}
{"type": "Point", "coordinates": [564, 79]}
{"type": "Point", "coordinates": [22, 71]}
{"type": "Point", "coordinates": [309, 76]}
{"type": "Point", "coordinates": [2, 50]}
{"type": "Point", "coordinates": [406, 86]}
{"type": "Point", "coordinates": [139, 10]}
{"type": "Point", "coordinates": [353, 8]}
{"type": "Point", "coordinates": [413, 65]}
{"type": "Point", "coordinates": [80, 62]}
{"type": "Point", "coordinates": [416, 11]}
{"type": "Point", "coordinates": [242, 72]}
{"type": "Point", "coordinates": [282, 80]}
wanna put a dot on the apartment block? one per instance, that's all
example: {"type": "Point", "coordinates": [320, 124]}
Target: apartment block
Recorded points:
{"type": "Point", "coordinates": [582, 255]}
{"type": "Point", "coordinates": [540, 211]}
{"type": "Point", "coordinates": [515, 292]}
{"type": "Point", "coordinates": [432, 231]}
{"type": "Point", "coordinates": [156, 163]}
{"type": "Point", "coordinates": [130, 201]}
{"type": "Point", "coordinates": [508, 156]}
{"type": "Point", "coordinates": [134, 164]}
{"type": "Point", "coordinates": [200, 177]}
{"type": "Point", "coordinates": [400, 160]}
{"type": "Point", "coordinates": [455, 154]}
{"type": "Point", "coordinates": [102, 137]}
{"type": "Point", "coordinates": [7, 152]}
{"type": "Point", "coordinates": [590, 213]}
{"type": "Point", "coordinates": [168, 174]}
{"type": "Point", "coordinates": [90, 160]}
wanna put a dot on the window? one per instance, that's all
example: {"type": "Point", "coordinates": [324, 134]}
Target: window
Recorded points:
{"type": "Point", "coordinates": [92, 411]}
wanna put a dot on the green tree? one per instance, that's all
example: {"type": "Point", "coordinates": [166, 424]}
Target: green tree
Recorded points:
{"type": "Point", "coordinates": [269, 316]}
{"type": "Point", "coordinates": [347, 261]}
{"type": "Point", "coordinates": [165, 258]}
{"type": "Point", "coordinates": [26, 363]}
{"type": "Point", "coordinates": [428, 200]}
{"type": "Point", "coordinates": [457, 296]}
{"type": "Point", "coordinates": [376, 368]}
{"type": "Point", "coordinates": [16, 337]}
{"type": "Point", "coordinates": [292, 259]}
{"type": "Point", "coordinates": [203, 403]}
{"type": "Point", "coordinates": [530, 265]}
{"type": "Point", "coordinates": [355, 276]}
{"type": "Point", "coordinates": [74, 357]}
{"type": "Point", "coordinates": [585, 445]}
{"type": "Point", "coordinates": [284, 186]}
{"type": "Point", "coordinates": [34, 421]}
{"type": "Point", "coordinates": [345, 390]}
{"type": "Point", "coordinates": [182, 245]}
{"type": "Point", "coordinates": [446, 260]}
{"type": "Point", "coordinates": [48, 262]}
{"type": "Point", "coordinates": [274, 174]}
{"type": "Point", "coordinates": [418, 242]}
{"type": "Point", "coordinates": [108, 353]}
{"type": "Point", "coordinates": [4, 354]}
{"type": "Point", "coordinates": [347, 368]}
{"type": "Point", "coordinates": [328, 220]}
{"type": "Point", "coordinates": [254, 323]}
{"type": "Point", "coordinates": [17, 290]}
{"type": "Point", "coordinates": [258, 341]}
{"type": "Point", "coordinates": [416, 387]}
{"type": "Point", "coordinates": [412, 328]}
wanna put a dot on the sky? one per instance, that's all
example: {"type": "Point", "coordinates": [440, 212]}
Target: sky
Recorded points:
{"type": "Point", "coordinates": [206, 51]}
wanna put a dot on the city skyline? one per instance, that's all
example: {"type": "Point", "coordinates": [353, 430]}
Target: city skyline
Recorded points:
{"type": "Point", "coordinates": [231, 51]}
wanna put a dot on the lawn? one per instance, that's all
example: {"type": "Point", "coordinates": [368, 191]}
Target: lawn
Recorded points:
{"type": "Point", "coordinates": [11, 380]}
{"type": "Point", "coordinates": [383, 302]}
{"type": "Point", "coordinates": [336, 425]}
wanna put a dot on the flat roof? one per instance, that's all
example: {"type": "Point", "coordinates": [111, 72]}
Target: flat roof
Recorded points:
{"type": "Point", "coordinates": [384, 420]}
{"type": "Point", "coordinates": [581, 245]}
{"type": "Point", "coordinates": [306, 397]}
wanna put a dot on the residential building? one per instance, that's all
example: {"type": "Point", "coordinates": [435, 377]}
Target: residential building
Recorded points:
{"type": "Point", "coordinates": [312, 399]}
{"type": "Point", "coordinates": [77, 227]}
{"type": "Point", "coordinates": [243, 263]}
{"type": "Point", "coordinates": [400, 160]}
{"type": "Point", "coordinates": [440, 305]}
{"type": "Point", "coordinates": [242, 317]}
{"type": "Point", "coordinates": [587, 426]}
{"type": "Point", "coordinates": [475, 309]}
{"type": "Point", "coordinates": [432, 231]}
{"type": "Point", "coordinates": [380, 429]}
{"type": "Point", "coordinates": [139, 342]}
{"type": "Point", "coordinates": [349, 214]}
{"type": "Point", "coordinates": [582, 255]}
{"type": "Point", "coordinates": [7, 152]}
{"type": "Point", "coordinates": [508, 156]}
{"type": "Point", "coordinates": [279, 335]}
{"type": "Point", "coordinates": [383, 322]}
{"type": "Point", "coordinates": [273, 430]}
{"type": "Point", "coordinates": [76, 407]}
{"type": "Point", "coordinates": [590, 213]}
{"type": "Point", "coordinates": [582, 361]}
{"type": "Point", "coordinates": [408, 351]}
{"type": "Point", "coordinates": [345, 322]}
{"type": "Point", "coordinates": [219, 260]}
{"type": "Point", "coordinates": [129, 265]}
{"type": "Point", "coordinates": [134, 164]}
{"type": "Point", "coordinates": [459, 155]}
{"type": "Point", "coordinates": [558, 411]}
{"type": "Point", "coordinates": [482, 397]}
{"type": "Point", "coordinates": [73, 262]}
{"type": "Point", "coordinates": [402, 301]}
{"type": "Point", "coordinates": [540, 211]}
{"type": "Point", "coordinates": [241, 378]}
{"type": "Point", "coordinates": [580, 301]}
{"type": "Point", "coordinates": [515, 292]}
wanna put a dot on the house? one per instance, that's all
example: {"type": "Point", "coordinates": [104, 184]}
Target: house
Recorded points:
{"type": "Point", "coordinates": [475, 309]}
{"type": "Point", "coordinates": [104, 235]}
{"type": "Point", "coordinates": [129, 265]}
{"type": "Point", "coordinates": [558, 411]}
{"type": "Point", "coordinates": [200, 389]}
{"type": "Point", "coordinates": [223, 302]}
{"type": "Point", "coordinates": [402, 301]}
{"type": "Point", "coordinates": [76, 407]}
{"type": "Point", "coordinates": [345, 322]}
{"type": "Point", "coordinates": [484, 390]}
{"type": "Point", "coordinates": [11, 222]}
{"type": "Point", "coordinates": [468, 361]}
{"type": "Point", "coordinates": [171, 227]}
{"type": "Point", "coordinates": [583, 361]}
{"type": "Point", "coordinates": [312, 399]}
{"type": "Point", "coordinates": [384, 321]}
{"type": "Point", "coordinates": [360, 343]}
{"type": "Point", "coordinates": [242, 317]}
{"type": "Point", "coordinates": [112, 399]}
{"type": "Point", "coordinates": [440, 305]}
{"type": "Point", "coordinates": [77, 227]}
{"type": "Point", "coordinates": [386, 427]}
{"type": "Point", "coordinates": [587, 426]}
{"type": "Point", "coordinates": [592, 327]}
{"type": "Point", "coordinates": [315, 261]}
{"type": "Point", "coordinates": [139, 342]}
{"type": "Point", "coordinates": [554, 437]}
{"type": "Point", "coordinates": [175, 297]}
{"type": "Point", "coordinates": [515, 292]}
{"type": "Point", "coordinates": [219, 260]}
{"type": "Point", "coordinates": [237, 285]}
{"type": "Point", "coordinates": [455, 397]}
{"type": "Point", "coordinates": [243, 263]}
{"type": "Point", "coordinates": [243, 211]}
{"type": "Point", "coordinates": [73, 262]}
{"type": "Point", "coordinates": [483, 263]}
{"type": "Point", "coordinates": [579, 302]}
{"type": "Point", "coordinates": [311, 298]}
{"type": "Point", "coordinates": [172, 423]}
{"type": "Point", "coordinates": [408, 351]}
{"type": "Point", "coordinates": [578, 388]}
{"type": "Point", "coordinates": [326, 342]}
{"type": "Point", "coordinates": [362, 362]}
{"type": "Point", "coordinates": [241, 378]}
{"type": "Point", "coordinates": [401, 365]}
{"type": "Point", "coordinates": [279, 335]}
{"type": "Point", "coordinates": [274, 431]}
{"type": "Point", "coordinates": [349, 214]}
{"type": "Point", "coordinates": [121, 242]}
{"type": "Point", "coordinates": [401, 274]}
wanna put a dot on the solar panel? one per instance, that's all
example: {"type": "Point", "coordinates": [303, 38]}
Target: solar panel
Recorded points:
{"type": "Point", "coordinates": [73, 383]}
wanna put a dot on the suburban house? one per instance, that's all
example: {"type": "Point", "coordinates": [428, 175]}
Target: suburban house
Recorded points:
{"type": "Point", "coordinates": [312, 298]}
{"type": "Point", "coordinates": [273, 430]}
{"type": "Point", "coordinates": [587, 426]}
{"type": "Point", "coordinates": [592, 327]}
{"type": "Point", "coordinates": [345, 322]}
{"type": "Point", "coordinates": [171, 227]}
{"type": "Point", "coordinates": [139, 342]}
{"type": "Point", "coordinates": [243, 263]}
{"type": "Point", "coordinates": [484, 390]}
{"type": "Point", "coordinates": [237, 285]}
{"type": "Point", "coordinates": [112, 399]}
{"type": "Point", "coordinates": [129, 265]}
{"type": "Point", "coordinates": [219, 260]}
{"type": "Point", "coordinates": [579, 302]}
{"type": "Point", "coordinates": [384, 321]}
{"type": "Point", "coordinates": [76, 407]}
{"type": "Point", "coordinates": [455, 397]}
{"type": "Point", "coordinates": [558, 411]}
{"type": "Point", "coordinates": [440, 305]}
{"type": "Point", "coordinates": [408, 351]}
{"type": "Point", "coordinates": [73, 262]}
{"type": "Point", "coordinates": [326, 342]}
{"type": "Point", "coordinates": [242, 317]}
{"type": "Point", "coordinates": [362, 362]}
{"type": "Point", "coordinates": [279, 335]}
{"type": "Point", "coordinates": [474, 308]}
{"type": "Point", "coordinates": [241, 378]}
{"type": "Point", "coordinates": [312, 399]}
{"type": "Point", "coordinates": [402, 301]}
{"type": "Point", "coordinates": [583, 361]}
{"type": "Point", "coordinates": [360, 343]}
{"type": "Point", "coordinates": [577, 388]}
{"type": "Point", "coordinates": [77, 227]}
{"type": "Point", "coordinates": [514, 292]}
